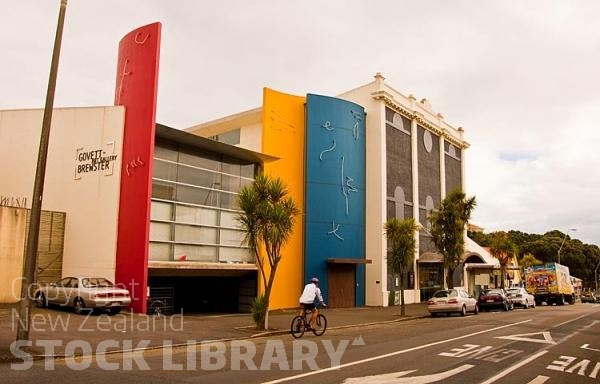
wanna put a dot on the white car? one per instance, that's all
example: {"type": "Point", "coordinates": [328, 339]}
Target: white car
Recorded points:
{"type": "Point", "coordinates": [520, 297]}
{"type": "Point", "coordinates": [84, 293]}
{"type": "Point", "coordinates": [449, 301]}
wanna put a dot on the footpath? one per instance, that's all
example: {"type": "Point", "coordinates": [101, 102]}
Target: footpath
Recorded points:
{"type": "Point", "coordinates": [70, 333]}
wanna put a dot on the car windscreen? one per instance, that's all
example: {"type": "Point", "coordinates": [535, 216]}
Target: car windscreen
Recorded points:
{"type": "Point", "coordinates": [97, 282]}
{"type": "Point", "coordinates": [441, 294]}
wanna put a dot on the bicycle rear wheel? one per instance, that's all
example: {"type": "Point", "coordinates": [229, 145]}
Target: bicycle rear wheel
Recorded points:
{"type": "Point", "coordinates": [297, 328]}
{"type": "Point", "coordinates": [320, 325]}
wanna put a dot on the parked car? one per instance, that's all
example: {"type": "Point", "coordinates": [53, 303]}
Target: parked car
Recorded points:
{"type": "Point", "coordinates": [452, 301]}
{"type": "Point", "coordinates": [590, 297]}
{"type": "Point", "coordinates": [84, 293]}
{"type": "Point", "coordinates": [494, 298]}
{"type": "Point", "coordinates": [520, 297]}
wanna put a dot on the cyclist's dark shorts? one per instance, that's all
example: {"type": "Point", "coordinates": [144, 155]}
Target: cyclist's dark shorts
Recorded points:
{"type": "Point", "coordinates": [309, 307]}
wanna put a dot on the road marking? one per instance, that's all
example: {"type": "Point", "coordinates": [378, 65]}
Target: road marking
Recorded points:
{"type": "Point", "coordinates": [523, 337]}
{"type": "Point", "coordinates": [393, 378]}
{"type": "Point", "coordinates": [338, 367]}
{"type": "Point", "coordinates": [539, 380]}
{"type": "Point", "coordinates": [587, 346]}
{"type": "Point", "coordinates": [514, 367]}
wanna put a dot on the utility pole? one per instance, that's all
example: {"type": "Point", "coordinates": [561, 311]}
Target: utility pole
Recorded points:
{"type": "Point", "coordinates": [38, 188]}
{"type": "Point", "coordinates": [563, 242]}
{"type": "Point", "coordinates": [596, 275]}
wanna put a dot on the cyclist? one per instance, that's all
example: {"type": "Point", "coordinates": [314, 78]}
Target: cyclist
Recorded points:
{"type": "Point", "coordinates": [307, 300]}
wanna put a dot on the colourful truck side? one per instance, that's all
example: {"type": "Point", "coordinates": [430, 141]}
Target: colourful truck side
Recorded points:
{"type": "Point", "coordinates": [550, 283]}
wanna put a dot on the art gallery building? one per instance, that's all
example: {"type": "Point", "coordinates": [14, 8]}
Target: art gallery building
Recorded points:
{"type": "Point", "coordinates": [154, 207]}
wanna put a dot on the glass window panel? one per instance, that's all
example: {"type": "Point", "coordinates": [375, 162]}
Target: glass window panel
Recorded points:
{"type": "Point", "coordinates": [165, 150]}
{"type": "Point", "coordinates": [230, 219]}
{"type": "Point", "coordinates": [192, 157]}
{"type": "Point", "coordinates": [231, 137]}
{"type": "Point", "coordinates": [196, 215]}
{"type": "Point", "coordinates": [229, 200]}
{"type": "Point", "coordinates": [160, 231]}
{"type": "Point", "coordinates": [232, 167]}
{"type": "Point", "coordinates": [160, 252]}
{"type": "Point", "coordinates": [196, 253]}
{"type": "Point", "coordinates": [232, 237]}
{"type": "Point", "coordinates": [198, 177]}
{"type": "Point", "coordinates": [164, 170]}
{"type": "Point", "coordinates": [161, 211]}
{"type": "Point", "coordinates": [193, 234]}
{"type": "Point", "coordinates": [248, 171]}
{"type": "Point", "coordinates": [193, 195]}
{"type": "Point", "coordinates": [235, 255]}
{"type": "Point", "coordinates": [230, 183]}
{"type": "Point", "coordinates": [245, 183]}
{"type": "Point", "coordinates": [163, 190]}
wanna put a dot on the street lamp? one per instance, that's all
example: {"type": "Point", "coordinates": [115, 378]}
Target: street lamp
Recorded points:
{"type": "Point", "coordinates": [563, 242]}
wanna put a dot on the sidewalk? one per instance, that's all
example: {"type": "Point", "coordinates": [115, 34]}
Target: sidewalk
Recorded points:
{"type": "Point", "coordinates": [128, 330]}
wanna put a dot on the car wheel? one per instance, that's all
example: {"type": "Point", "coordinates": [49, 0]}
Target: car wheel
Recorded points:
{"type": "Point", "coordinates": [115, 310]}
{"type": "Point", "coordinates": [79, 305]}
{"type": "Point", "coordinates": [505, 307]}
{"type": "Point", "coordinates": [476, 311]}
{"type": "Point", "coordinates": [433, 314]}
{"type": "Point", "coordinates": [463, 310]}
{"type": "Point", "coordinates": [40, 300]}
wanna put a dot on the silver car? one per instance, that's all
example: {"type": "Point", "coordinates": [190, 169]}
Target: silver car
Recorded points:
{"type": "Point", "coordinates": [84, 293]}
{"type": "Point", "coordinates": [454, 300]}
{"type": "Point", "coordinates": [520, 297]}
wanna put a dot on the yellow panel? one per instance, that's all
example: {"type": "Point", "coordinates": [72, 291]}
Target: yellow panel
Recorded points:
{"type": "Point", "coordinates": [283, 137]}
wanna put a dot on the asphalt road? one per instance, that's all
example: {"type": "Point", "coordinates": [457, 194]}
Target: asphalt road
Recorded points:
{"type": "Point", "coordinates": [543, 345]}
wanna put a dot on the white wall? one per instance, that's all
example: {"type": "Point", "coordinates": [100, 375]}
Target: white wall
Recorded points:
{"type": "Point", "coordinates": [376, 273]}
{"type": "Point", "coordinates": [90, 199]}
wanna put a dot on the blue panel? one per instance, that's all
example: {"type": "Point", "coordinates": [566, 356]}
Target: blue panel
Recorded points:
{"type": "Point", "coordinates": [335, 187]}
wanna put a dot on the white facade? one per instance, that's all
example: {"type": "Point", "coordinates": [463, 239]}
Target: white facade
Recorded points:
{"type": "Point", "coordinates": [82, 177]}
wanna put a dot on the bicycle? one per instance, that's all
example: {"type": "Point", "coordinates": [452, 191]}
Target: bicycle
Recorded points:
{"type": "Point", "coordinates": [157, 306]}
{"type": "Point", "coordinates": [301, 324]}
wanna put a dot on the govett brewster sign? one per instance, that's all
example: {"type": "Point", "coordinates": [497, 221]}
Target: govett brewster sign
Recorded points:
{"type": "Point", "coordinates": [95, 160]}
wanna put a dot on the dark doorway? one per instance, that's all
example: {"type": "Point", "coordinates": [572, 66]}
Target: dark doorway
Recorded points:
{"type": "Point", "coordinates": [342, 285]}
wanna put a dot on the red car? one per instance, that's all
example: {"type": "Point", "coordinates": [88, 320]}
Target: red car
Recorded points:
{"type": "Point", "coordinates": [494, 298]}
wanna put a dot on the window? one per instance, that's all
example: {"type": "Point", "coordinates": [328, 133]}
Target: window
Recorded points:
{"type": "Point", "coordinates": [194, 206]}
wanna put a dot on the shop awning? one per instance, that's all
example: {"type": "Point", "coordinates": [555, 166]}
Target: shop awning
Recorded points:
{"type": "Point", "coordinates": [430, 257]}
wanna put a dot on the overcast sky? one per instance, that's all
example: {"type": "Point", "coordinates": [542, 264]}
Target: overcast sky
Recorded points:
{"type": "Point", "coordinates": [521, 77]}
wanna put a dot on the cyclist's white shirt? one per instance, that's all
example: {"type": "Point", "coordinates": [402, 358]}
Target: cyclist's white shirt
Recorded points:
{"type": "Point", "coordinates": [310, 292]}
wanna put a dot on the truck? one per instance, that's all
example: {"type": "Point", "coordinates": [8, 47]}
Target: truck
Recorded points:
{"type": "Point", "coordinates": [550, 283]}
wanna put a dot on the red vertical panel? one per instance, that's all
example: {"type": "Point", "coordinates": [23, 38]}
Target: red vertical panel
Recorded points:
{"type": "Point", "coordinates": [136, 89]}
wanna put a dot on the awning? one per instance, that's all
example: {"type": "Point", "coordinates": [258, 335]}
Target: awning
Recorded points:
{"type": "Point", "coordinates": [430, 257]}
{"type": "Point", "coordinates": [348, 261]}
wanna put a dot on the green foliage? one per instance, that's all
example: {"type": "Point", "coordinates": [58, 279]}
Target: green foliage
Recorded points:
{"type": "Point", "coordinates": [259, 310]}
{"type": "Point", "coordinates": [401, 248]}
{"type": "Point", "coordinates": [581, 258]}
{"type": "Point", "coordinates": [503, 249]}
{"type": "Point", "coordinates": [447, 229]}
{"type": "Point", "coordinates": [267, 221]}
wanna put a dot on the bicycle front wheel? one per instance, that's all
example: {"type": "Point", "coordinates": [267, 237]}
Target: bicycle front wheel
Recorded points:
{"type": "Point", "coordinates": [320, 325]}
{"type": "Point", "coordinates": [297, 328]}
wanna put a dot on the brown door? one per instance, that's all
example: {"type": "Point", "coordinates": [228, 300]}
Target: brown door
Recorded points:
{"type": "Point", "coordinates": [341, 287]}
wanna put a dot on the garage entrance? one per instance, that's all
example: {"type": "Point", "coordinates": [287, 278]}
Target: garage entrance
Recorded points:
{"type": "Point", "coordinates": [203, 291]}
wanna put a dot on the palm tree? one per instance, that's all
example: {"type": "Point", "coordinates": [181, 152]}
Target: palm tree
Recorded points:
{"type": "Point", "coordinates": [448, 229]}
{"type": "Point", "coordinates": [503, 249]}
{"type": "Point", "coordinates": [401, 249]}
{"type": "Point", "coordinates": [267, 220]}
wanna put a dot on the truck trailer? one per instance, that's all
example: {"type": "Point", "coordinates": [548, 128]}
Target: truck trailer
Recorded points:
{"type": "Point", "coordinates": [550, 283]}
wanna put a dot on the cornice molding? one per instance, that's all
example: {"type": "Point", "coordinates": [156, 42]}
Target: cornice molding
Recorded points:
{"type": "Point", "coordinates": [389, 101]}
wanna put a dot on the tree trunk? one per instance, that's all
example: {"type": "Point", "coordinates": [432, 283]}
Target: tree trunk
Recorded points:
{"type": "Point", "coordinates": [402, 309]}
{"type": "Point", "coordinates": [265, 325]}
{"type": "Point", "coordinates": [450, 277]}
